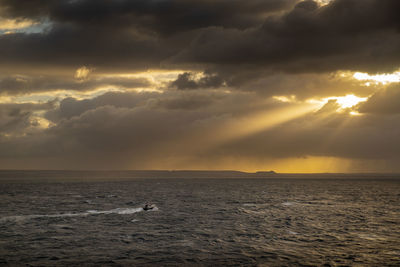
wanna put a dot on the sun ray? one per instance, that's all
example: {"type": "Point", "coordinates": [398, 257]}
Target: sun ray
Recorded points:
{"type": "Point", "coordinates": [231, 130]}
{"type": "Point", "coordinates": [330, 139]}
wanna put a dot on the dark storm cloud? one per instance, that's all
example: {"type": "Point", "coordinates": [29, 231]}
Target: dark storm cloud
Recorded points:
{"type": "Point", "coordinates": [301, 85]}
{"type": "Point", "coordinates": [384, 101]}
{"type": "Point", "coordinates": [125, 34]}
{"type": "Point", "coordinates": [25, 8]}
{"type": "Point", "coordinates": [74, 46]}
{"type": "Point", "coordinates": [266, 83]}
{"type": "Point", "coordinates": [136, 131]}
{"type": "Point", "coordinates": [187, 81]}
{"type": "Point", "coordinates": [71, 107]}
{"type": "Point", "coordinates": [167, 101]}
{"type": "Point", "coordinates": [346, 34]}
{"type": "Point", "coordinates": [139, 137]}
{"type": "Point", "coordinates": [146, 133]}
{"type": "Point", "coordinates": [133, 119]}
{"type": "Point", "coordinates": [127, 128]}
{"type": "Point", "coordinates": [16, 118]}
{"type": "Point", "coordinates": [168, 16]}
{"type": "Point", "coordinates": [17, 85]}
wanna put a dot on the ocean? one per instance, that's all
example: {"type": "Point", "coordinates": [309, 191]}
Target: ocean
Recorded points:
{"type": "Point", "coordinates": [200, 222]}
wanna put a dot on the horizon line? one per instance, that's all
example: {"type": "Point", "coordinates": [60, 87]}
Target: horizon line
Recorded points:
{"type": "Point", "coordinates": [203, 170]}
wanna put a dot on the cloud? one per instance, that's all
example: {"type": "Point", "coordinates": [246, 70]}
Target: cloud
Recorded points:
{"type": "Point", "coordinates": [140, 126]}
{"type": "Point", "coordinates": [20, 119]}
{"type": "Point", "coordinates": [23, 84]}
{"type": "Point", "coordinates": [384, 101]}
{"type": "Point", "coordinates": [13, 24]}
{"type": "Point", "coordinates": [162, 129]}
{"type": "Point", "coordinates": [343, 35]}
{"type": "Point", "coordinates": [165, 17]}
{"type": "Point", "coordinates": [68, 46]}
{"type": "Point", "coordinates": [301, 85]}
{"type": "Point", "coordinates": [82, 73]}
{"type": "Point", "coordinates": [188, 81]}
{"type": "Point", "coordinates": [71, 107]}
{"type": "Point", "coordinates": [167, 102]}
{"type": "Point", "coordinates": [346, 35]}
{"type": "Point", "coordinates": [127, 34]}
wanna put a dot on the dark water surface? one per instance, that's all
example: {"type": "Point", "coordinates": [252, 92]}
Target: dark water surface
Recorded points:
{"type": "Point", "coordinates": [201, 222]}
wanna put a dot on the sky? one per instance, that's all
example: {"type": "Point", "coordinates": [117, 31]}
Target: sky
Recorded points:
{"type": "Point", "coordinates": [250, 85]}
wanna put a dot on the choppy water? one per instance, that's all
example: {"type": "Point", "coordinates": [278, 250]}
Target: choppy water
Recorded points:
{"type": "Point", "coordinates": [201, 222]}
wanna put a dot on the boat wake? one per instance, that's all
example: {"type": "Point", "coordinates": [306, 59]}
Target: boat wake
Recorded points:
{"type": "Point", "coordinates": [121, 211]}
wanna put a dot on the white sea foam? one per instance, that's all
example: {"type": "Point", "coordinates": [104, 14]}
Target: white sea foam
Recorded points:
{"type": "Point", "coordinates": [117, 211]}
{"type": "Point", "coordinates": [122, 211]}
{"type": "Point", "coordinates": [372, 237]}
{"type": "Point", "coordinates": [288, 203]}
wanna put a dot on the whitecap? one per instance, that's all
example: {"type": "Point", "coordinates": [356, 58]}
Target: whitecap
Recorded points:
{"type": "Point", "coordinates": [371, 237]}
{"type": "Point", "coordinates": [249, 204]}
{"type": "Point", "coordinates": [288, 203]}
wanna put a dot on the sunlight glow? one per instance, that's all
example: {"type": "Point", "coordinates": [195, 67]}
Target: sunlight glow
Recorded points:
{"type": "Point", "coordinates": [379, 78]}
{"type": "Point", "coordinates": [310, 164]}
{"type": "Point", "coordinates": [11, 26]}
{"type": "Point", "coordinates": [344, 102]}
{"type": "Point", "coordinates": [14, 24]}
{"type": "Point", "coordinates": [82, 73]}
{"type": "Point", "coordinates": [349, 101]}
{"type": "Point", "coordinates": [285, 99]}
{"type": "Point", "coordinates": [323, 2]}
{"type": "Point", "coordinates": [355, 113]}
{"type": "Point", "coordinates": [156, 76]}
{"type": "Point", "coordinates": [40, 122]}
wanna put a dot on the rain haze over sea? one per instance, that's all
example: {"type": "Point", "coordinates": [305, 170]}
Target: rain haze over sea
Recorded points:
{"type": "Point", "coordinates": [277, 221]}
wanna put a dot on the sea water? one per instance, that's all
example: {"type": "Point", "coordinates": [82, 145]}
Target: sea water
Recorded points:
{"type": "Point", "coordinates": [201, 222]}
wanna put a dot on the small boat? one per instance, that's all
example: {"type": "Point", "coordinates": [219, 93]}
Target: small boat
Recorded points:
{"type": "Point", "coordinates": [148, 206]}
